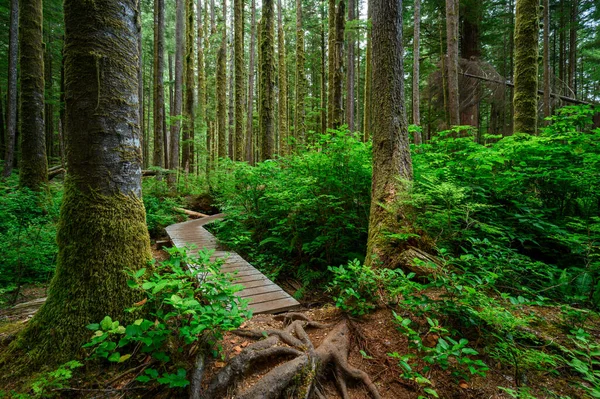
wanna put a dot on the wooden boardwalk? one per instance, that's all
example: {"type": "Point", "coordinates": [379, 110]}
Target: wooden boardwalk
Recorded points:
{"type": "Point", "coordinates": [265, 296]}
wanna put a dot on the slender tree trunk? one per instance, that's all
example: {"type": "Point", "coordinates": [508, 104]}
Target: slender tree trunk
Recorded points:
{"type": "Point", "coordinates": [159, 91]}
{"type": "Point", "coordinates": [526, 67]}
{"type": "Point", "coordinates": [324, 92]}
{"type": "Point", "coordinates": [391, 154]}
{"type": "Point", "coordinates": [547, 87]}
{"type": "Point", "coordinates": [300, 123]}
{"type": "Point", "coordinates": [283, 85]}
{"type": "Point", "coordinates": [222, 101]}
{"type": "Point", "coordinates": [187, 158]}
{"type": "Point", "coordinates": [33, 171]}
{"type": "Point", "coordinates": [573, 47]}
{"type": "Point", "coordinates": [338, 76]}
{"type": "Point", "coordinates": [49, 106]}
{"type": "Point", "coordinates": [11, 97]}
{"type": "Point", "coordinates": [416, 95]}
{"type": "Point", "coordinates": [331, 65]}
{"type": "Point", "coordinates": [231, 107]}
{"type": "Point", "coordinates": [2, 127]}
{"type": "Point", "coordinates": [213, 17]}
{"type": "Point", "coordinates": [368, 78]}
{"type": "Point", "coordinates": [350, 98]}
{"type": "Point", "coordinates": [178, 98]}
{"type": "Point", "coordinates": [102, 227]}
{"type": "Point", "coordinates": [171, 87]}
{"type": "Point", "coordinates": [452, 61]}
{"type": "Point", "coordinates": [267, 77]}
{"type": "Point", "coordinates": [250, 116]}
{"type": "Point", "coordinates": [239, 79]}
{"type": "Point", "coordinates": [140, 96]}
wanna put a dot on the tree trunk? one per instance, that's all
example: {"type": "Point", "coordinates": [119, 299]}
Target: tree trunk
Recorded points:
{"type": "Point", "coordinates": [331, 64]}
{"type": "Point", "coordinates": [469, 92]}
{"type": "Point", "coordinates": [350, 98]}
{"type": "Point", "coordinates": [250, 116]}
{"type": "Point", "coordinates": [178, 97]}
{"type": "Point", "coordinates": [283, 85]}
{"type": "Point", "coordinates": [11, 97]}
{"type": "Point", "coordinates": [526, 67]}
{"type": "Point", "coordinates": [368, 79]}
{"type": "Point", "coordinates": [231, 108]}
{"type": "Point", "coordinates": [239, 79]}
{"type": "Point", "coordinates": [2, 127]}
{"type": "Point", "coordinates": [299, 120]}
{"type": "Point", "coordinates": [267, 77]}
{"type": "Point", "coordinates": [573, 47]}
{"type": "Point", "coordinates": [187, 156]}
{"type": "Point", "coordinates": [547, 87]}
{"type": "Point", "coordinates": [416, 71]}
{"type": "Point", "coordinates": [324, 92]}
{"type": "Point", "coordinates": [338, 76]}
{"type": "Point", "coordinates": [49, 106]}
{"type": "Point", "coordinates": [159, 90]}
{"type": "Point", "coordinates": [391, 154]}
{"type": "Point", "coordinates": [102, 227]}
{"type": "Point", "coordinates": [452, 61]}
{"type": "Point", "coordinates": [222, 101]}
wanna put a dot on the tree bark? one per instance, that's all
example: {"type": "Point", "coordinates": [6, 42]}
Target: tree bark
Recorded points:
{"type": "Point", "coordinates": [267, 77]}
{"type": "Point", "coordinates": [324, 92]}
{"type": "Point", "coordinates": [416, 114]}
{"type": "Point", "coordinates": [452, 62]}
{"type": "Point", "coordinates": [547, 87]}
{"type": "Point", "coordinates": [11, 97]}
{"type": "Point", "coordinates": [368, 78]}
{"type": "Point", "coordinates": [178, 94]}
{"type": "Point", "coordinates": [299, 120]}
{"type": "Point", "coordinates": [221, 87]}
{"type": "Point", "coordinates": [239, 79]}
{"type": "Point", "coordinates": [251, 71]}
{"type": "Point", "coordinates": [526, 67]}
{"type": "Point", "coordinates": [350, 98]}
{"type": "Point", "coordinates": [159, 88]}
{"type": "Point", "coordinates": [2, 127]}
{"type": "Point", "coordinates": [391, 154]}
{"type": "Point", "coordinates": [48, 107]}
{"type": "Point", "coordinates": [573, 47]}
{"type": "Point", "coordinates": [33, 172]}
{"type": "Point", "coordinates": [338, 76]}
{"type": "Point", "coordinates": [102, 227]}
{"type": "Point", "coordinates": [187, 156]}
{"type": "Point", "coordinates": [283, 85]}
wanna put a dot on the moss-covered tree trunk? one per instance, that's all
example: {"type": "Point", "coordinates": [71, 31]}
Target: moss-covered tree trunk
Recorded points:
{"type": "Point", "coordinates": [300, 124]}
{"type": "Point", "coordinates": [11, 95]}
{"type": "Point", "coordinates": [324, 92]}
{"type": "Point", "coordinates": [391, 154]}
{"type": "Point", "coordinates": [159, 88]}
{"type": "Point", "coordinates": [201, 71]}
{"type": "Point", "coordinates": [251, 68]}
{"type": "Point", "coordinates": [416, 70]}
{"type": "Point", "coordinates": [526, 66]}
{"type": "Point", "coordinates": [547, 87]}
{"type": "Point", "coordinates": [49, 106]}
{"type": "Point", "coordinates": [452, 61]}
{"type": "Point", "coordinates": [368, 79]}
{"type": "Point", "coordinates": [283, 85]}
{"type": "Point", "coordinates": [239, 79]}
{"type": "Point", "coordinates": [102, 227]}
{"type": "Point", "coordinates": [221, 88]}
{"type": "Point", "coordinates": [33, 172]}
{"type": "Point", "coordinates": [267, 77]}
{"type": "Point", "coordinates": [178, 92]}
{"type": "Point", "coordinates": [187, 156]}
{"type": "Point", "coordinates": [331, 64]}
{"type": "Point", "coordinates": [338, 82]}
{"type": "Point", "coordinates": [350, 70]}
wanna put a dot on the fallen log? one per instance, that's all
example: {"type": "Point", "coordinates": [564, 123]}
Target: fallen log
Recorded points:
{"type": "Point", "coordinates": [52, 173]}
{"type": "Point", "coordinates": [192, 214]}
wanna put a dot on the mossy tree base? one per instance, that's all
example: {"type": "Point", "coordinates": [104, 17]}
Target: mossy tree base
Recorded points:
{"type": "Point", "coordinates": [90, 280]}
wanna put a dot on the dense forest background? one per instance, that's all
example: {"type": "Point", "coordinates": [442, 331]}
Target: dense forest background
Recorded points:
{"type": "Point", "coordinates": [423, 176]}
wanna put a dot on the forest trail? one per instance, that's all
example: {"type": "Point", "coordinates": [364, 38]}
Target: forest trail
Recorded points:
{"type": "Point", "coordinates": [265, 296]}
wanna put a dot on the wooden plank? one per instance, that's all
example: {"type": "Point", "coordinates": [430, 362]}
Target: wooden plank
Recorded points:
{"type": "Point", "coordinates": [268, 297]}
{"type": "Point", "coordinates": [255, 283]}
{"type": "Point", "coordinates": [278, 306]}
{"type": "Point", "coordinates": [264, 289]}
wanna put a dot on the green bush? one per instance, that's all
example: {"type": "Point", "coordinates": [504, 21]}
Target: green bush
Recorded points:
{"type": "Point", "coordinates": [160, 206]}
{"type": "Point", "coordinates": [299, 214]}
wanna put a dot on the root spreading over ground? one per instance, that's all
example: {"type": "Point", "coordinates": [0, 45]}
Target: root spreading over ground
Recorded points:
{"type": "Point", "coordinates": [300, 368]}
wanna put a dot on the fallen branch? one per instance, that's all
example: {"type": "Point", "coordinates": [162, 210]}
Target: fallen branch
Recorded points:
{"type": "Point", "coordinates": [52, 173]}
{"type": "Point", "coordinates": [192, 214]}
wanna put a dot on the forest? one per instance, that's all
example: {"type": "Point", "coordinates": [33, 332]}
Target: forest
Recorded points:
{"type": "Point", "coordinates": [300, 199]}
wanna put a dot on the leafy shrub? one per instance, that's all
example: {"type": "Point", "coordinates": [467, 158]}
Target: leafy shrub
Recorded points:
{"type": "Point", "coordinates": [181, 306]}
{"type": "Point", "coordinates": [27, 234]}
{"type": "Point", "coordinates": [306, 211]}
{"type": "Point", "coordinates": [160, 206]}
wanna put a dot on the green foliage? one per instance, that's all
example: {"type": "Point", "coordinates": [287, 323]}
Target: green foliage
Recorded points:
{"type": "Point", "coordinates": [160, 206]}
{"type": "Point", "coordinates": [27, 235]}
{"type": "Point", "coordinates": [48, 384]}
{"type": "Point", "coordinates": [181, 306]}
{"type": "Point", "coordinates": [585, 359]}
{"type": "Point", "coordinates": [306, 211]}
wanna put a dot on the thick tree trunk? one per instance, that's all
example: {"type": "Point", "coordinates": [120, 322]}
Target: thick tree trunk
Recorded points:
{"type": "Point", "coordinates": [350, 98]}
{"type": "Point", "coordinates": [391, 154]}
{"type": "Point", "coordinates": [338, 83]}
{"type": "Point", "coordinates": [283, 85]}
{"type": "Point", "coordinates": [159, 90]}
{"type": "Point", "coordinates": [239, 79]}
{"type": "Point", "coordinates": [368, 78]}
{"type": "Point", "coordinates": [267, 77]}
{"type": "Point", "coordinates": [11, 97]}
{"type": "Point", "coordinates": [102, 228]}
{"type": "Point", "coordinates": [187, 156]}
{"type": "Point", "coordinates": [452, 62]}
{"type": "Point", "coordinates": [573, 47]}
{"type": "Point", "coordinates": [231, 107]}
{"type": "Point", "coordinates": [416, 70]}
{"type": "Point", "coordinates": [33, 172]}
{"type": "Point", "coordinates": [178, 97]}
{"type": "Point", "coordinates": [526, 67]}
{"type": "Point", "coordinates": [250, 116]}
{"type": "Point", "coordinates": [299, 120]}
{"type": "Point", "coordinates": [547, 87]}
{"type": "Point", "coordinates": [469, 91]}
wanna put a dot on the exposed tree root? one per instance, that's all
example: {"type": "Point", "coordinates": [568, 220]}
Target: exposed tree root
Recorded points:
{"type": "Point", "coordinates": [297, 377]}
